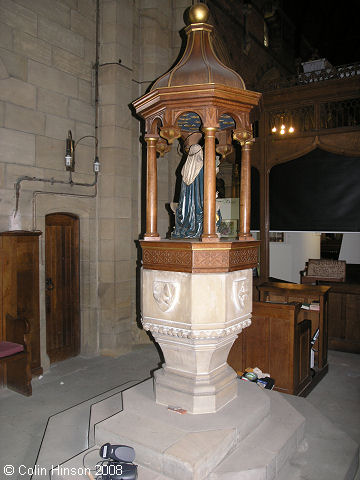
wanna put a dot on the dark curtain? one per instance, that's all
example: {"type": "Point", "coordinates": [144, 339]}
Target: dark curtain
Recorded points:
{"type": "Point", "coordinates": [317, 192]}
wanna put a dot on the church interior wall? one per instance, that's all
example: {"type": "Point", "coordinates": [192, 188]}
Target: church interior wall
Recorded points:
{"type": "Point", "coordinates": [46, 88]}
{"type": "Point", "coordinates": [47, 75]}
{"type": "Point", "coordinates": [47, 55]}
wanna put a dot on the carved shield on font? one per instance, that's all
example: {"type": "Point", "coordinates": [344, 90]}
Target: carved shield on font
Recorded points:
{"type": "Point", "coordinates": [240, 293]}
{"type": "Point", "coordinates": [165, 294]}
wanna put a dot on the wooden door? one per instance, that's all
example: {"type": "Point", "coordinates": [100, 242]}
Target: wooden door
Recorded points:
{"type": "Point", "coordinates": [62, 286]}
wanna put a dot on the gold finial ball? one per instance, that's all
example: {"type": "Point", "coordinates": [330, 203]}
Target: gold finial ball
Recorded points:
{"type": "Point", "coordinates": [199, 13]}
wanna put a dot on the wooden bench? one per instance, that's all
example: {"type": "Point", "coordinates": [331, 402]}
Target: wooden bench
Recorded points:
{"type": "Point", "coordinates": [323, 270]}
{"type": "Point", "coordinates": [15, 355]}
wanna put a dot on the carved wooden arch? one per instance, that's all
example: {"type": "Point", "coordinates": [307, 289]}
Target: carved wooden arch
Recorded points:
{"type": "Point", "coordinates": [207, 114]}
{"type": "Point", "coordinates": [238, 117]}
{"type": "Point", "coordinates": [179, 113]}
{"type": "Point", "coordinates": [296, 150]}
{"type": "Point", "coordinates": [308, 144]}
{"type": "Point", "coordinates": [154, 123]}
{"type": "Point", "coordinates": [199, 112]}
{"type": "Point", "coordinates": [342, 144]}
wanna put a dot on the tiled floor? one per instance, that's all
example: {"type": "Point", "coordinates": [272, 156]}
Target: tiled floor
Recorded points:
{"type": "Point", "coordinates": [23, 419]}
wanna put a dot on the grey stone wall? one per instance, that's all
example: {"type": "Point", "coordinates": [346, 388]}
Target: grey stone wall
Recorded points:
{"type": "Point", "coordinates": [47, 52]}
{"type": "Point", "coordinates": [47, 55]}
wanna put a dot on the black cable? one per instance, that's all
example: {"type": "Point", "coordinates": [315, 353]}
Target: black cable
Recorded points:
{"type": "Point", "coordinates": [86, 454]}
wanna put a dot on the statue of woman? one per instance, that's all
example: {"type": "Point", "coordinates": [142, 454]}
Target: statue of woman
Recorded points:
{"type": "Point", "coordinates": [189, 213]}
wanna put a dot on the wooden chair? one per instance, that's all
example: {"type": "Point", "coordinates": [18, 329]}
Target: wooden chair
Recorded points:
{"type": "Point", "coordinates": [15, 355]}
{"type": "Point", "coordinates": [323, 270]}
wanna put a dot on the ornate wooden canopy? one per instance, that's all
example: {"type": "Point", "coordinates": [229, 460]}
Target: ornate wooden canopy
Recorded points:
{"type": "Point", "coordinates": [199, 83]}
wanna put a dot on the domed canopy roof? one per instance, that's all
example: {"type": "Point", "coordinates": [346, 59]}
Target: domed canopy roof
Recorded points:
{"type": "Point", "coordinates": [199, 64]}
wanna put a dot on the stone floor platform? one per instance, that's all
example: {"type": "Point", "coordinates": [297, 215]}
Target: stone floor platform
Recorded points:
{"type": "Point", "coordinates": [183, 446]}
{"type": "Point", "coordinates": [260, 429]}
{"type": "Point", "coordinates": [79, 380]}
{"type": "Point", "coordinates": [292, 440]}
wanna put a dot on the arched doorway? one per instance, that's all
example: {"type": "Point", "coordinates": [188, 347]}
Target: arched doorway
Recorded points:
{"type": "Point", "coordinates": [62, 294]}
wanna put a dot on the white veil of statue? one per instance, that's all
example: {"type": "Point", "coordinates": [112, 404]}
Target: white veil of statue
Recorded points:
{"type": "Point", "coordinates": [193, 164]}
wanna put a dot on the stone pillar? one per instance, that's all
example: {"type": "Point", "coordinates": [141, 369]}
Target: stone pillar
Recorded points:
{"type": "Point", "coordinates": [209, 229]}
{"type": "Point", "coordinates": [116, 219]}
{"type": "Point", "coordinates": [151, 189]}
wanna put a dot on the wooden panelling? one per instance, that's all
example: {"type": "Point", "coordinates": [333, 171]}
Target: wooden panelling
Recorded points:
{"type": "Point", "coordinates": [20, 285]}
{"type": "Point", "coordinates": [344, 317]}
{"type": "Point", "coordinates": [293, 292]}
{"type": "Point", "coordinates": [197, 257]}
{"type": "Point", "coordinates": [17, 367]}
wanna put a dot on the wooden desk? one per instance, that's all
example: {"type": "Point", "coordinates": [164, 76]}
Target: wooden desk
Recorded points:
{"type": "Point", "coordinates": [293, 292]}
{"type": "Point", "coordinates": [278, 343]}
{"type": "Point", "coordinates": [343, 309]}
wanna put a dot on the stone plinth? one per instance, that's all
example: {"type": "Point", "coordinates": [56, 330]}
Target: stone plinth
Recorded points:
{"type": "Point", "coordinates": [195, 318]}
{"type": "Point", "coordinates": [185, 447]}
{"type": "Point", "coordinates": [261, 435]}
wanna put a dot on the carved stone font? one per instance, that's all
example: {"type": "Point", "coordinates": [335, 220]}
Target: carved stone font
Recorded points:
{"type": "Point", "coordinates": [195, 318]}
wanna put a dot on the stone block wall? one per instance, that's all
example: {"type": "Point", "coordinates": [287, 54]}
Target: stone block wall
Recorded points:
{"type": "Point", "coordinates": [47, 53]}
{"type": "Point", "coordinates": [115, 192]}
{"type": "Point", "coordinates": [47, 58]}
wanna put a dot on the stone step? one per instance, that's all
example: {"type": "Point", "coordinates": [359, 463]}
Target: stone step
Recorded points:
{"type": "Point", "coordinates": [326, 453]}
{"type": "Point", "coordinates": [75, 469]}
{"type": "Point", "coordinates": [261, 453]}
{"type": "Point", "coordinates": [183, 447]}
{"type": "Point", "coordinates": [105, 407]}
{"type": "Point", "coordinates": [265, 451]}
{"type": "Point", "coordinates": [293, 441]}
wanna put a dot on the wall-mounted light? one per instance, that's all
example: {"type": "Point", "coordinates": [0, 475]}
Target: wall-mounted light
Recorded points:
{"type": "Point", "coordinates": [96, 165]}
{"type": "Point", "coordinates": [70, 153]}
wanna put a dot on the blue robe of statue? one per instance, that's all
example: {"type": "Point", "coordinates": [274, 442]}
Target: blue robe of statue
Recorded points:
{"type": "Point", "coordinates": [189, 215]}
